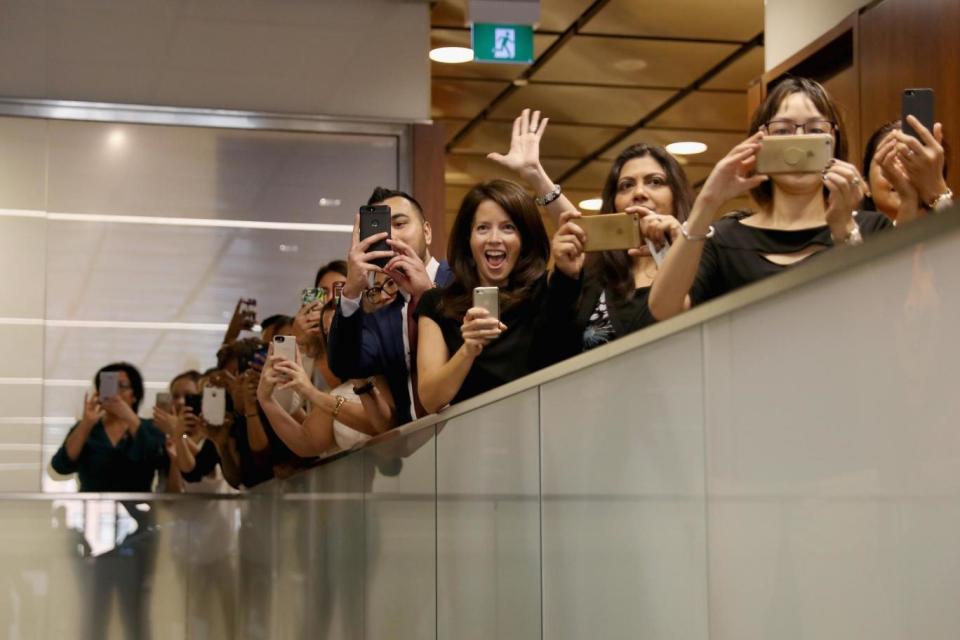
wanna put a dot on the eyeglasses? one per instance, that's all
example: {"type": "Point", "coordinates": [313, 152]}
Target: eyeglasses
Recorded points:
{"type": "Point", "coordinates": [387, 288]}
{"type": "Point", "coordinates": [789, 127]}
{"type": "Point", "coordinates": [123, 386]}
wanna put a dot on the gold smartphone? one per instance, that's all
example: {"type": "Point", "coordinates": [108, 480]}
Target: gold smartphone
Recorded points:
{"type": "Point", "coordinates": [610, 231]}
{"type": "Point", "coordinates": [808, 153]}
{"type": "Point", "coordinates": [487, 298]}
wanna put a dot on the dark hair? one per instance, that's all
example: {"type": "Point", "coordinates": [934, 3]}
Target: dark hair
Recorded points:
{"type": "Point", "coordinates": [382, 193]}
{"type": "Point", "coordinates": [334, 266]}
{"type": "Point", "coordinates": [278, 320]}
{"type": "Point", "coordinates": [763, 194]}
{"type": "Point", "coordinates": [613, 268]}
{"type": "Point", "coordinates": [192, 375]}
{"type": "Point", "coordinates": [534, 246]}
{"type": "Point", "coordinates": [329, 306]}
{"type": "Point", "coordinates": [243, 351]}
{"type": "Point", "coordinates": [136, 380]}
{"type": "Point", "coordinates": [871, 150]}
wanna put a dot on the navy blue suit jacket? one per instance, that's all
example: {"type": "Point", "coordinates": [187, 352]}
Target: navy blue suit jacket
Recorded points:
{"type": "Point", "coordinates": [369, 344]}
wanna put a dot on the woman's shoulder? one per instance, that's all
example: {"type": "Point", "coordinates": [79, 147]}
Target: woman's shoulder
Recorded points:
{"type": "Point", "coordinates": [429, 304]}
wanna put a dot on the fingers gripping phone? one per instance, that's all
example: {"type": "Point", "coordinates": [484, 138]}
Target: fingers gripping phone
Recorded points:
{"type": "Point", "coordinates": [109, 384]}
{"type": "Point", "coordinates": [488, 298]}
{"type": "Point", "coordinates": [806, 153]}
{"type": "Point", "coordinates": [610, 231]}
{"type": "Point", "coordinates": [375, 219]}
{"type": "Point", "coordinates": [214, 405]}
{"type": "Point", "coordinates": [919, 104]}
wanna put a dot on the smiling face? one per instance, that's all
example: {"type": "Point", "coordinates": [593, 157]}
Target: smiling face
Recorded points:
{"type": "Point", "coordinates": [643, 182]}
{"type": "Point", "coordinates": [494, 243]}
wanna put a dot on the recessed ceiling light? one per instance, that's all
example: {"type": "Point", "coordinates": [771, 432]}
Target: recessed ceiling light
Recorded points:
{"type": "Point", "coordinates": [329, 202]}
{"type": "Point", "coordinates": [593, 204]}
{"type": "Point", "coordinates": [116, 139]}
{"type": "Point", "coordinates": [451, 55]}
{"type": "Point", "coordinates": [630, 65]}
{"type": "Point", "coordinates": [521, 82]}
{"type": "Point", "coordinates": [686, 148]}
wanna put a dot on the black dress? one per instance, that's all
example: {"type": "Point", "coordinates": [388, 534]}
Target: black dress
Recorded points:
{"type": "Point", "coordinates": [736, 254]}
{"type": "Point", "coordinates": [526, 345]}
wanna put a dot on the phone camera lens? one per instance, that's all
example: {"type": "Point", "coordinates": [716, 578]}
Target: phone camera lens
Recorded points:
{"type": "Point", "coordinates": [279, 338]}
{"type": "Point", "coordinates": [375, 224]}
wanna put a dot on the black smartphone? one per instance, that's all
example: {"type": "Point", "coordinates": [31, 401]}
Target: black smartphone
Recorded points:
{"type": "Point", "coordinates": [195, 402]}
{"type": "Point", "coordinates": [919, 104]}
{"type": "Point", "coordinates": [375, 219]}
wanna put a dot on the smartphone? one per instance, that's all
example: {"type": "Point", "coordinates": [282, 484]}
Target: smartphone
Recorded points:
{"type": "Point", "coordinates": [375, 219]}
{"type": "Point", "coordinates": [285, 347]}
{"type": "Point", "coordinates": [610, 231]}
{"type": "Point", "coordinates": [213, 407]}
{"type": "Point", "coordinates": [109, 384]}
{"type": "Point", "coordinates": [919, 104]}
{"type": "Point", "coordinates": [195, 402]}
{"type": "Point", "coordinates": [165, 401]}
{"type": "Point", "coordinates": [805, 153]}
{"type": "Point", "coordinates": [309, 296]}
{"type": "Point", "coordinates": [487, 298]}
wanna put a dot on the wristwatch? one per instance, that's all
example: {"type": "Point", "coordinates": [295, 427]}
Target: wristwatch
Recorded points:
{"type": "Point", "coordinates": [547, 198]}
{"type": "Point", "coordinates": [366, 387]}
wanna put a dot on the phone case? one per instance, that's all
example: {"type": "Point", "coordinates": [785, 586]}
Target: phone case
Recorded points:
{"type": "Point", "coordinates": [487, 298]}
{"type": "Point", "coordinates": [309, 296]}
{"type": "Point", "coordinates": [610, 231]}
{"type": "Point", "coordinates": [109, 384]}
{"type": "Point", "coordinates": [807, 153]}
{"type": "Point", "coordinates": [165, 401]}
{"type": "Point", "coordinates": [214, 407]}
{"type": "Point", "coordinates": [919, 104]}
{"type": "Point", "coordinates": [285, 346]}
{"type": "Point", "coordinates": [375, 219]}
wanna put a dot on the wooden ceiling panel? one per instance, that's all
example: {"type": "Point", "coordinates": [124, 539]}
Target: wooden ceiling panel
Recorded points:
{"type": "Point", "coordinates": [462, 98]}
{"type": "Point", "coordinates": [718, 144]}
{"type": "Point", "coordinates": [555, 15]}
{"type": "Point", "coordinates": [592, 177]}
{"type": "Point", "coordinates": [469, 169]}
{"type": "Point", "coordinates": [739, 74]}
{"type": "Point", "coordinates": [454, 38]}
{"type": "Point", "coordinates": [707, 19]}
{"type": "Point", "coordinates": [620, 61]}
{"type": "Point", "coordinates": [701, 110]}
{"type": "Point", "coordinates": [567, 103]}
{"type": "Point", "coordinates": [559, 141]}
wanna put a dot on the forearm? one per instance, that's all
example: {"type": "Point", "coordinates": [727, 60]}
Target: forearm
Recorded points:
{"type": "Point", "coordinates": [439, 385]}
{"type": "Point", "coordinates": [256, 436]}
{"type": "Point", "coordinates": [379, 411]}
{"type": "Point", "coordinates": [229, 462]}
{"type": "Point", "coordinates": [174, 479]}
{"type": "Point", "coordinates": [75, 441]}
{"type": "Point", "coordinates": [538, 180]}
{"type": "Point", "coordinates": [669, 294]}
{"type": "Point", "coordinates": [186, 461]}
{"type": "Point", "coordinates": [354, 415]}
{"type": "Point", "coordinates": [291, 432]}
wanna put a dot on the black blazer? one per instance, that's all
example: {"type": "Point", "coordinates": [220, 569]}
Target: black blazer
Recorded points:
{"type": "Point", "coordinates": [368, 344]}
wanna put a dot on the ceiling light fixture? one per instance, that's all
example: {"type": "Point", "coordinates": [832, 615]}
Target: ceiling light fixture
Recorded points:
{"type": "Point", "coordinates": [686, 148]}
{"type": "Point", "coordinates": [451, 55]}
{"type": "Point", "coordinates": [329, 202]}
{"type": "Point", "coordinates": [591, 204]}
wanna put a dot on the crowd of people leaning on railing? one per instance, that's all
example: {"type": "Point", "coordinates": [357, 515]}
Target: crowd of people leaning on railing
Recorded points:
{"type": "Point", "coordinates": [394, 333]}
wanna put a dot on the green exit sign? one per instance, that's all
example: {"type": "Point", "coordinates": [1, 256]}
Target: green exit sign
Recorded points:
{"type": "Point", "coordinates": [512, 43]}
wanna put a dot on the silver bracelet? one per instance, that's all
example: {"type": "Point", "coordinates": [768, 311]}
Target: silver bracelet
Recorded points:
{"type": "Point", "coordinates": [686, 233]}
{"type": "Point", "coordinates": [547, 198]}
{"type": "Point", "coordinates": [942, 201]}
{"type": "Point", "coordinates": [853, 238]}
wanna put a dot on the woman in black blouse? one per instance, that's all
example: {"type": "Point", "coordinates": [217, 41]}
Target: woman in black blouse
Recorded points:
{"type": "Point", "coordinates": [498, 240]}
{"type": "Point", "coordinates": [800, 214]}
{"type": "Point", "coordinates": [644, 179]}
{"type": "Point", "coordinates": [111, 448]}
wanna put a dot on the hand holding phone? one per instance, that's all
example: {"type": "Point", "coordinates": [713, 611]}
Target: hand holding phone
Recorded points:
{"type": "Point", "coordinates": [109, 385]}
{"type": "Point", "coordinates": [488, 298]}
{"type": "Point", "coordinates": [214, 405]}
{"type": "Point", "coordinates": [165, 401]}
{"type": "Point", "coordinates": [610, 231]}
{"type": "Point", "coordinates": [919, 104]}
{"type": "Point", "coordinates": [804, 153]}
{"type": "Point", "coordinates": [481, 324]}
{"type": "Point", "coordinates": [375, 219]}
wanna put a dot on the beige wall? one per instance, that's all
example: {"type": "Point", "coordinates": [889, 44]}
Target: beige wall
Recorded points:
{"type": "Point", "coordinates": [356, 58]}
{"type": "Point", "coordinates": [790, 25]}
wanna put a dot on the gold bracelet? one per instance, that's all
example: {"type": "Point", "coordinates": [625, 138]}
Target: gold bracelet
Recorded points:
{"type": "Point", "coordinates": [336, 409]}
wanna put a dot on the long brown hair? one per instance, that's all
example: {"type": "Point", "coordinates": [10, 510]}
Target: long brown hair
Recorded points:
{"type": "Point", "coordinates": [534, 246]}
{"type": "Point", "coordinates": [790, 85]}
{"type": "Point", "coordinates": [614, 268]}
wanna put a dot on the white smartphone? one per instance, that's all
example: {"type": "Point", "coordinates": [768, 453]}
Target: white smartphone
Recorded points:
{"type": "Point", "coordinates": [487, 298]}
{"type": "Point", "coordinates": [109, 384]}
{"type": "Point", "coordinates": [658, 254]}
{"type": "Point", "coordinates": [214, 406]}
{"type": "Point", "coordinates": [165, 401]}
{"type": "Point", "coordinates": [285, 347]}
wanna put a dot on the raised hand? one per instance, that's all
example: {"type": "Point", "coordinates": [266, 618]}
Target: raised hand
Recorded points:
{"type": "Point", "coordinates": [407, 269]}
{"type": "Point", "coordinates": [524, 154]}
{"type": "Point", "coordinates": [893, 172]}
{"type": "Point", "coordinates": [169, 423]}
{"type": "Point", "coordinates": [567, 245]}
{"type": "Point", "coordinates": [923, 159]}
{"type": "Point", "coordinates": [359, 261]}
{"type": "Point", "coordinates": [478, 329]}
{"type": "Point", "coordinates": [306, 323]}
{"type": "Point", "coordinates": [93, 411]}
{"type": "Point", "coordinates": [295, 375]}
{"type": "Point", "coordinates": [846, 190]}
{"type": "Point", "coordinates": [731, 177]}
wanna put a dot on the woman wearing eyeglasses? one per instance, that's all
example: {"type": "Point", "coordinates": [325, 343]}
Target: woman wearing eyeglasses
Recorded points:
{"type": "Point", "coordinates": [800, 214]}
{"type": "Point", "coordinates": [382, 293]}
